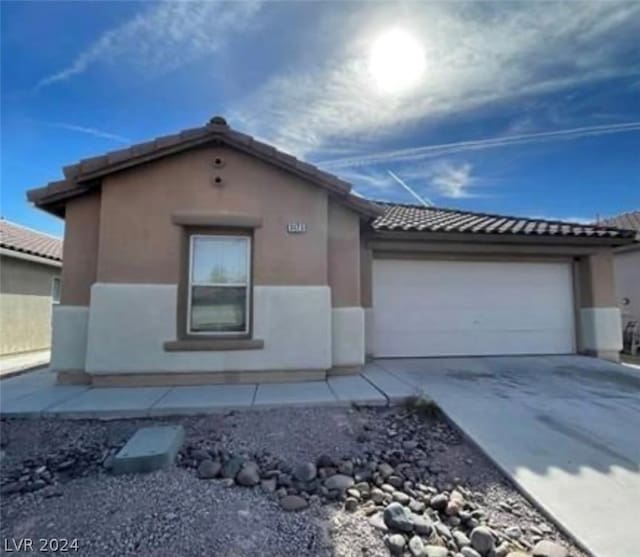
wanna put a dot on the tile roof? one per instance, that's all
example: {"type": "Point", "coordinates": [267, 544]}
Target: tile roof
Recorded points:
{"type": "Point", "coordinates": [22, 239]}
{"type": "Point", "coordinates": [79, 177]}
{"type": "Point", "coordinates": [86, 174]}
{"type": "Point", "coordinates": [405, 217]}
{"type": "Point", "coordinates": [630, 221]}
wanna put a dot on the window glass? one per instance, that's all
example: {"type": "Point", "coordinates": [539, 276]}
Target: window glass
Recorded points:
{"type": "Point", "coordinates": [215, 308]}
{"type": "Point", "coordinates": [55, 290]}
{"type": "Point", "coordinates": [219, 260]}
{"type": "Point", "coordinates": [219, 284]}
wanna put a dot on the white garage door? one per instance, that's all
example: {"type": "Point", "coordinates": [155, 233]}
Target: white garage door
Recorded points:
{"type": "Point", "coordinates": [447, 308]}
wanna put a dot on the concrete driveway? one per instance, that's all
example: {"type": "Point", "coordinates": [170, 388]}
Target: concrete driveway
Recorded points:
{"type": "Point", "coordinates": [566, 429]}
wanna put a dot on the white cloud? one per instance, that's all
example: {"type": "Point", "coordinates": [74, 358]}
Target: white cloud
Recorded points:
{"type": "Point", "coordinates": [452, 181]}
{"type": "Point", "coordinates": [163, 37]}
{"type": "Point", "coordinates": [475, 54]}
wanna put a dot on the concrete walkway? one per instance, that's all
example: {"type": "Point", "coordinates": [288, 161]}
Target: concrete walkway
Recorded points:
{"type": "Point", "coordinates": [36, 395]}
{"type": "Point", "coordinates": [18, 363]}
{"type": "Point", "coordinates": [566, 429]}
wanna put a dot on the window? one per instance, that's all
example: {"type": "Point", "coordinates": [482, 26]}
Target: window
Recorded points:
{"type": "Point", "coordinates": [219, 281]}
{"type": "Point", "coordinates": [55, 290]}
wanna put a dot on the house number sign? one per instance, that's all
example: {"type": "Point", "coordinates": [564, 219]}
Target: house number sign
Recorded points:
{"type": "Point", "coordinates": [296, 227]}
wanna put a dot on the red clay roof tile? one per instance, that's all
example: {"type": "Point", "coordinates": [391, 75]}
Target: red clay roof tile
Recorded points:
{"type": "Point", "coordinates": [433, 219]}
{"type": "Point", "coordinates": [19, 238]}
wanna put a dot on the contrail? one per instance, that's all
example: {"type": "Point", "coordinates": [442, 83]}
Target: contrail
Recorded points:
{"type": "Point", "coordinates": [415, 153]}
{"type": "Point", "coordinates": [89, 131]}
{"type": "Point", "coordinates": [424, 200]}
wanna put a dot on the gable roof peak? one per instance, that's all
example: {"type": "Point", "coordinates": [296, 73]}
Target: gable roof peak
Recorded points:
{"type": "Point", "coordinates": [86, 174]}
{"type": "Point", "coordinates": [218, 121]}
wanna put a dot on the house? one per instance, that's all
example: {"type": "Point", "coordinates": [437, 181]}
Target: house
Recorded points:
{"type": "Point", "coordinates": [30, 265]}
{"type": "Point", "coordinates": [208, 256]}
{"type": "Point", "coordinates": [627, 267]}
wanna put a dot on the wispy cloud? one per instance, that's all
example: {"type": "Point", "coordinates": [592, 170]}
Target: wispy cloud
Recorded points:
{"type": "Point", "coordinates": [95, 132]}
{"type": "Point", "coordinates": [453, 181]}
{"type": "Point", "coordinates": [428, 151]}
{"type": "Point", "coordinates": [476, 55]}
{"type": "Point", "coordinates": [162, 38]}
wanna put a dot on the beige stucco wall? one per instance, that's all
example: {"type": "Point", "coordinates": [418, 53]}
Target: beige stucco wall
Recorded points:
{"type": "Point", "coordinates": [129, 237]}
{"type": "Point", "coordinates": [344, 255]}
{"type": "Point", "coordinates": [25, 305]}
{"type": "Point", "coordinates": [598, 315]}
{"type": "Point", "coordinates": [82, 226]}
{"type": "Point", "coordinates": [596, 280]}
{"type": "Point", "coordinates": [140, 244]}
{"type": "Point", "coordinates": [627, 281]}
{"type": "Point", "coordinates": [366, 258]}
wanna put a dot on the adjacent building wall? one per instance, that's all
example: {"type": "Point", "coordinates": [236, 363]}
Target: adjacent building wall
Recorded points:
{"type": "Point", "coordinates": [627, 281]}
{"type": "Point", "coordinates": [25, 305]}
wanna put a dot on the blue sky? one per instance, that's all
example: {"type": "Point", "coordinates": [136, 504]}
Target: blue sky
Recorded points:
{"type": "Point", "coordinates": [521, 108]}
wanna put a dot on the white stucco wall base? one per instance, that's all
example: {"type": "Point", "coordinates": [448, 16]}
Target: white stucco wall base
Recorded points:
{"type": "Point", "coordinates": [347, 333]}
{"type": "Point", "coordinates": [128, 324]}
{"type": "Point", "coordinates": [69, 338]}
{"type": "Point", "coordinates": [600, 331]}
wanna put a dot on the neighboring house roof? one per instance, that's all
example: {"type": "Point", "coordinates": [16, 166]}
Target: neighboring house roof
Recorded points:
{"type": "Point", "coordinates": [405, 217]}
{"type": "Point", "coordinates": [630, 220]}
{"type": "Point", "coordinates": [14, 237]}
{"type": "Point", "coordinates": [86, 174]}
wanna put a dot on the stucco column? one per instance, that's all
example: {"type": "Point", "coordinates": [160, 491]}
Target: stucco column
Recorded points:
{"type": "Point", "coordinates": [599, 323]}
{"type": "Point", "coordinates": [366, 299]}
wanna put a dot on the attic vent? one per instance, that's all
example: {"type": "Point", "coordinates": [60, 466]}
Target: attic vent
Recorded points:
{"type": "Point", "coordinates": [218, 162]}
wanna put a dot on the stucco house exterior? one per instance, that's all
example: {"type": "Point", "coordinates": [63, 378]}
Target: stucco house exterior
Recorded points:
{"type": "Point", "coordinates": [30, 269]}
{"type": "Point", "coordinates": [627, 267]}
{"type": "Point", "coordinates": [208, 256]}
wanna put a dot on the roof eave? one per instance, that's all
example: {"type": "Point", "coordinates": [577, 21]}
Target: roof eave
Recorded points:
{"type": "Point", "coordinates": [30, 256]}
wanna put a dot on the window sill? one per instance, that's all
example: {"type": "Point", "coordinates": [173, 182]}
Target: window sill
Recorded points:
{"type": "Point", "coordinates": [189, 345]}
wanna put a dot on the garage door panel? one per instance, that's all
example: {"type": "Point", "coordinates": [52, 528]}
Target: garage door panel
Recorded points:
{"type": "Point", "coordinates": [444, 308]}
{"type": "Point", "coordinates": [437, 343]}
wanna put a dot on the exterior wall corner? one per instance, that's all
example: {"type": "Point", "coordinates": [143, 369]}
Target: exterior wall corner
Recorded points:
{"type": "Point", "coordinates": [347, 337]}
{"type": "Point", "coordinates": [69, 340]}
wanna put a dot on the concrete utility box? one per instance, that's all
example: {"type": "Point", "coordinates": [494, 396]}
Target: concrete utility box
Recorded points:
{"type": "Point", "coordinates": [150, 448]}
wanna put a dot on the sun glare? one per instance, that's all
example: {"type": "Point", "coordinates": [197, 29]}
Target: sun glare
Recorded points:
{"type": "Point", "coordinates": [396, 61]}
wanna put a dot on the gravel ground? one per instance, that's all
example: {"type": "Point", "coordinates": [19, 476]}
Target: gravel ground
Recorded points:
{"type": "Point", "coordinates": [172, 512]}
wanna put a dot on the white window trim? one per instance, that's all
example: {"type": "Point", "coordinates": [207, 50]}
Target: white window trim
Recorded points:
{"type": "Point", "coordinates": [246, 285]}
{"type": "Point", "coordinates": [53, 281]}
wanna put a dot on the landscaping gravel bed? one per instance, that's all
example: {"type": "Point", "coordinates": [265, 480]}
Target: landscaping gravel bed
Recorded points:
{"type": "Point", "coordinates": [305, 481]}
